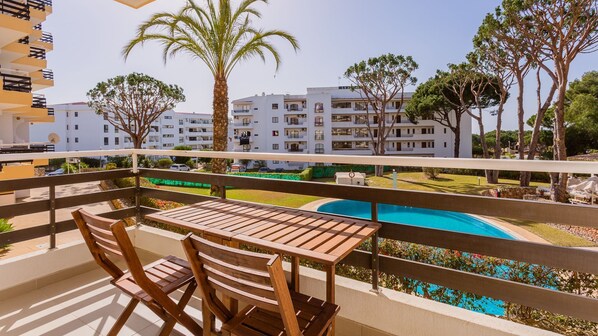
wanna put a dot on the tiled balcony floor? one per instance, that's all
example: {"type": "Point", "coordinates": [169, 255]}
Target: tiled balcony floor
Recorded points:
{"type": "Point", "coordinates": [86, 304]}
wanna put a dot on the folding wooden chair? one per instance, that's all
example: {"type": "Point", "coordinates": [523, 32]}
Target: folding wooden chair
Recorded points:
{"type": "Point", "coordinates": [258, 280]}
{"type": "Point", "coordinates": [150, 284]}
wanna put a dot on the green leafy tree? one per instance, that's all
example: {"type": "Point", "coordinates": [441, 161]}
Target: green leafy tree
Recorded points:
{"type": "Point", "coordinates": [435, 100]}
{"type": "Point", "coordinates": [380, 80]}
{"type": "Point", "coordinates": [558, 31]}
{"type": "Point", "coordinates": [182, 159]}
{"type": "Point", "coordinates": [132, 102]}
{"type": "Point", "coordinates": [219, 35]}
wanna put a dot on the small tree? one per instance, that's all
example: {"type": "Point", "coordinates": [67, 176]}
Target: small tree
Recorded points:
{"type": "Point", "coordinates": [380, 80]}
{"type": "Point", "coordinates": [131, 103]}
{"type": "Point", "coordinates": [182, 159]}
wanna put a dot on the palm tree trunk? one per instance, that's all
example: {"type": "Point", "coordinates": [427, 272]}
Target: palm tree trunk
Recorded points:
{"type": "Point", "coordinates": [220, 106]}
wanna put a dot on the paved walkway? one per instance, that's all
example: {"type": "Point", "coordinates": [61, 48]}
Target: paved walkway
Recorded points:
{"type": "Point", "coordinates": [41, 218]}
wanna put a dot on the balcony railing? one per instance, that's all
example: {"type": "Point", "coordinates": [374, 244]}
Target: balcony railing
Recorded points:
{"type": "Point", "coordinates": [24, 40]}
{"type": "Point", "coordinates": [15, 83]}
{"type": "Point", "coordinates": [39, 53]}
{"type": "Point", "coordinates": [318, 123]}
{"type": "Point", "coordinates": [47, 38]}
{"type": "Point", "coordinates": [38, 26]}
{"type": "Point", "coordinates": [548, 299]}
{"type": "Point", "coordinates": [47, 74]}
{"type": "Point", "coordinates": [51, 111]}
{"type": "Point", "coordinates": [39, 101]}
{"type": "Point", "coordinates": [241, 111]}
{"type": "Point", "coordinates": [39, 4]}
{"type": "Point", "coordinates": [15, 8]}
{"type": "Point", "coordinates": [26, 148]}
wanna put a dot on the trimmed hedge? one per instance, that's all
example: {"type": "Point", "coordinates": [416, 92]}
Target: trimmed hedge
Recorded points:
{"type": "Point", "coordinates": [329, 171]}
{"type": "Point", "coordinates": [305, 175]}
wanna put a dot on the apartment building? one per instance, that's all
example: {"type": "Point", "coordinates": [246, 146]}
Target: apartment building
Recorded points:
{"type": "Point", "coordinates": [332, 120]}
{"type": "Point", "coordinates": [78, 127]}
{"type": "Point", "coordinates": [23, 73]}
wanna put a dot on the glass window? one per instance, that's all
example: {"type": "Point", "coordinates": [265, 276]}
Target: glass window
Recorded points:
{"type": "Point", "coordinates": [105, 128]}
{"type": "Point", "coordinates": [274, 133]}
{"type": "Point", "coordinates": [275, 120]}
{"type": "Point", "coordinates": [76, 140]}
{"type": "Point", "coordinates": [341, 131]}
{"type": "Point", "coordinates": [275, 146]}
{"type": "Point", "coordinates": [341, 118]}
{"type": "Point", "coordinates": [275, 106]}
{"type": "Point", "coordinates": [319, 135]}
{"type": "Point", "coordinates": [76, 114]}
{"type": "Point", "coordinates": [341, 105]}
{"type": "Point", "coordinates": [106, 141]}
{"type": "Point", "coordinates": [319, 107]}
{"type": "Point", "coordinates": [116, 141]}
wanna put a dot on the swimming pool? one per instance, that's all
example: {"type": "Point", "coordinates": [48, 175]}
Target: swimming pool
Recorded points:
{"type": "Point", "coordinates": [433, 219]}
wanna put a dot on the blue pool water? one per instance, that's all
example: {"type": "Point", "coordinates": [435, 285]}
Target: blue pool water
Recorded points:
{"type": "Point", "coordinates": [433, 219]}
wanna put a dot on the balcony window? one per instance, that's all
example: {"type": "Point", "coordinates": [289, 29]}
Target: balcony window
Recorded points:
{"type": "Point", "coordinates": [76, 140]}
{"type": "Point", "coordinates": [361, 120]}
{"type": "Point", "coordinates": [76, 127]}
{"type": "Point", "coordinates": [319, 148]}
{"type": "Point", "coordinates": [341, 118]}
{"type": "Point", "coordinates": [342, 145]}
{"type": "Point", "coordinates": [116, 141]}
{"type": "Point", "coordinates": [319, 107]}
{"type": "Point", "coordinates": [319, 121]}
{"type": "Point", "coordinates": [106, 141]}
{"type": "Point", "coordinates": [275, 120]}
{"type": "Point", "coordinates": [341, 105]}
{"type": "Point", "coordinates": [275, 106]}
{"type": "Point", "coordinates": [341, 131]}
{"type": "Point", "coordinates": [76, 114]}
{"type": "Point", "coordinates": [275, 133]}
{"type": "Point", "coordinates": [275, 146]}
{"type": "Point", "coordinates": [362, 133]}
{"type": "Point", "coordinates": [362, 144]}
{"type": "Point", "coordinates": [319, 135]}
{"type": "Point", "coordinates": [105, 128]}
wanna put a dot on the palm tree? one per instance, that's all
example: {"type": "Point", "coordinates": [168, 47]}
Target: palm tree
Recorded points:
{"type": "Point", "coordinates": [219, 35]}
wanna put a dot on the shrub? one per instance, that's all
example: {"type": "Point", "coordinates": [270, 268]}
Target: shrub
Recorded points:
{"type": "Point", "coordinates": [111, 166]}
{"type": "Point", "coordinates": [306, 174]}
{"type": "Point", "coordinates": [69, 168]}
{"type": "Point", "coordinates": [5, 226]}
{"type": "Point", "coordinates": [431, 173]}
{"type": "Point", "coordinates": [164, 163]}
{"type": "Point", "coordinates": [182, 159]}
{"type": "Point", "coordinates": [91, 162]}
{"type": "Point", "coordinates": [190, 163]}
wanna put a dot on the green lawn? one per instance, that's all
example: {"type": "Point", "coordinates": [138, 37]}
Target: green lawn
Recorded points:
{"type": "Point", "coordinates": [258, 196]}
{"type": "Point", "coordinates": [446, 183]}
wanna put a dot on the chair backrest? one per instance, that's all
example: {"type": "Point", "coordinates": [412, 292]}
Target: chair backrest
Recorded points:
{"type": "Point", "coordinates": [107, 238]}
{"type": "Point", "coordinates": [254, 278]}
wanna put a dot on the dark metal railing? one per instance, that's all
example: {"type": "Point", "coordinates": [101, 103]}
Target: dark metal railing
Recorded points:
{"type": "Point", "coordinates": [15, 9]}
{"type": "Point", "coordinates": [38, 26]}
{"type": "Point", "coordinates": [24, 40]}
{"type": "Point", "coordinates": [15, 83]}
{"type": "Point", "coordinates": [47, 38]}
{"type": "Point", "coordinates": [39, 4]}
{"type": "Point", "coordinates": [47, 74]}
{"type": "Point", "coordinates": [51, 112]}
{"type": "Point", "coordinates": [39, 53]}
{"type": "Point", "coordinates": [39, 101]}
{"type": "Point", "coordinates": [576, 260]}
{"type": "Point", "coordinates": [27, 148]}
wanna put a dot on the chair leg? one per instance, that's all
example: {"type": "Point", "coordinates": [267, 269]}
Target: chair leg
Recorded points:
{"type": "Point", "coordinates": [184, 318]}
{"type": "Point", "coordinates": [168, 326]}
{"type": "Point", "coordinates": [124, 316]}
{"type": "Point", "coordinates": [208, 319]}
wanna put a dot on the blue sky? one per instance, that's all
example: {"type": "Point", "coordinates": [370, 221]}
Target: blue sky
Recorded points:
{"type": "Point", "coordinates": [89, 36]}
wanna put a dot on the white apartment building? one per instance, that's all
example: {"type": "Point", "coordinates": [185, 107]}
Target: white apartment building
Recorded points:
{"type": "Point", "coordinates": [332, 120]}
{"type": "Point", "coordinates": [79, 128]}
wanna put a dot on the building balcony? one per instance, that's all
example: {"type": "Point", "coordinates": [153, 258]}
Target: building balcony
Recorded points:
{"type": "Point", "coordinates": [15, 83]}
{"type": "Point", "coordinates": [54, 288]}
{"type": "Point", "coordinates": [17, 9]}
{"type": "Point", "coordinates": [243, 125]}
{"type": "Point", "coordinates": [295, 122]}
{"type": "Point", "coordinates": [295, 136]}
{"type": "Point", "coordinates": [241, 111]}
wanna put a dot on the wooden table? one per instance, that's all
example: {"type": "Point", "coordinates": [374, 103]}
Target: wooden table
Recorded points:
{"type": "Point", "coordinates": [322, 238]}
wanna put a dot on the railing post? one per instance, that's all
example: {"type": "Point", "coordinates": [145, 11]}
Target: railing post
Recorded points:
{"type": "Point", "coordinates": [223, 192]}
{"type": "Point", "coordinates": [52, 196]}
{"type": "Point", "coordinates": [375, 258]}
{"type": "Point", "coordinates": [135, 161]}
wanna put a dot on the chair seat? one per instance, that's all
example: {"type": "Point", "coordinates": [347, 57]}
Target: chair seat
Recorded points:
{"type": "Point", "coordinates": [169, 273]}
{"type": "Point", "coordinates": [313, 315]}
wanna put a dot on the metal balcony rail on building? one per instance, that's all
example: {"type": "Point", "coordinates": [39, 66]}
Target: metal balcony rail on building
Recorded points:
{"type": "Point", "coordinates": [39, 53]}
{"type": "Point", "coordinates": [24, 40]}
{"type": "Point", "coordinates": [15, 8]}
{"type": "Point", "coordinates": [39, 101]}
{"type": "Point", "coordinates": [571, 259]}
{"type": "Point", "coordinates": [47, 37]}
{"type": "Point", "coordinates": [33, 147]}
{"type": "Point", "coordinates": [47, 74]}
{"type": "Point", "coordinates": [241, 111]}
{"type": "Point", "coordinates": [39, 4]}
{"type": "Point", "coordinates": [51, 111]}
{"type": "Point", "coordinates": [38, 26]}
{"type": "Point", "coordinates": [15, 83]}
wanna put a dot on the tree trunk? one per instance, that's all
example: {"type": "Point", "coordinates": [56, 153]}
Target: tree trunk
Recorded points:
{"type": "Point", "coordinates": [220, 106]}
{"type": "Point", "coordinates": [489, 173]}
{"type": "Point", "coordinates": [559, 181]}
{"type": "Point", "coordinates": [492, 176]}
{"type": "Point", "coordinates": [521, 125]}
{"type": "Point", "coordinates": [457, 132]}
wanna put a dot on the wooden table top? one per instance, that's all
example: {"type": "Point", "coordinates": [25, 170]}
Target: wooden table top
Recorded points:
{"type": "Point", "coordinates": [311, 235]}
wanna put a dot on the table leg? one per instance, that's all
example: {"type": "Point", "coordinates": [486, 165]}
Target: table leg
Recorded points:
{"type": "Point", "coordinates": [330, 291]}
{"type": "Point", "coordinates": [295, 273]}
